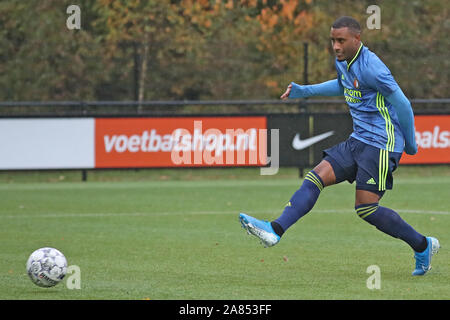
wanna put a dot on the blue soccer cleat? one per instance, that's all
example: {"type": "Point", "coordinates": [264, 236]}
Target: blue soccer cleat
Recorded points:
{"type": "Point", "coordinates": [423, 259]}
{"type": "Point", "coordinates": [259, 228]}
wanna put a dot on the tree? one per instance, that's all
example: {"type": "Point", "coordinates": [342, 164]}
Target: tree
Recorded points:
{"type": "Point", "coordinates": [40, 59]}
{"type": "Point", "coordinates": [201, 49]}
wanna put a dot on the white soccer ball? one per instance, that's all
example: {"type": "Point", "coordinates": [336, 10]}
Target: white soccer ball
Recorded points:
{"type": "Point", "coordinates": [46, 267]}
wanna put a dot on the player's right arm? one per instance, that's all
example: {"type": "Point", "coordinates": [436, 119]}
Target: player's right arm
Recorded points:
{"type": "Point", "coordinates": [329, 88]}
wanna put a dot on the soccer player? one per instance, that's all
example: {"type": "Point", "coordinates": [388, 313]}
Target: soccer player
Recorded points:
{"type": "Point", "coordinates": [383, 127]}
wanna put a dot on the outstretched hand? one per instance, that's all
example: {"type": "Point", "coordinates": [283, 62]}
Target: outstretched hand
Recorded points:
{"type": "Point", "coordinates": [285, 95]}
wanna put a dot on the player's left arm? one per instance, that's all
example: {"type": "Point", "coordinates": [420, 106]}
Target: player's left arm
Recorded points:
{"type": "Point", "coordinates": [405, 117]}
{"type": "Point", "coordinates": [381, 80]}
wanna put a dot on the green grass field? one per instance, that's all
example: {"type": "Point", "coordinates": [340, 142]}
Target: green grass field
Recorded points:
{"type": "Point", "coordinates": [175, 234]}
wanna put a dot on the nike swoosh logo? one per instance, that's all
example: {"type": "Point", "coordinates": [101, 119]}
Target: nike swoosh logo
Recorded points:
{"type": "Point", "coordinates": [299, 144]}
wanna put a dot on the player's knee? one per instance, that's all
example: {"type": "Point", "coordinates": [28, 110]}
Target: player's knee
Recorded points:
{"type": "Point", "coordinates": [367, 197]}
{"type": "Point", "coordinates": [326, 173]}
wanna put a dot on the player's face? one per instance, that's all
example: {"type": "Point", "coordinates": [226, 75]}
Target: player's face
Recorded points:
{"type": "Point", "coordinates": [345, 43]}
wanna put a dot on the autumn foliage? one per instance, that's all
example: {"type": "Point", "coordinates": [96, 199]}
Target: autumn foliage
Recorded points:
{"type": "Point", "coordinates": [200, 49]}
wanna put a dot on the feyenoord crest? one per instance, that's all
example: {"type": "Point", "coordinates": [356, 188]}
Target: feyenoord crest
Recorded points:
{"type": "Point", "coordinates": [356, 83]}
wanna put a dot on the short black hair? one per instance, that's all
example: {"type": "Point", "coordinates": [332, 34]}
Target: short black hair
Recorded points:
{"type": "Point", "coordinates": [347, 22]}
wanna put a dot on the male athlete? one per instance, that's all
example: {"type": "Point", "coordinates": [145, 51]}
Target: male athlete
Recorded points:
{"type": "Point", "coordinates": [383, 127]}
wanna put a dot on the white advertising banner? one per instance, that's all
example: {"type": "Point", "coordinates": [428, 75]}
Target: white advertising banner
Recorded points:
{"type": "Point", "coordinates": [60, 143]}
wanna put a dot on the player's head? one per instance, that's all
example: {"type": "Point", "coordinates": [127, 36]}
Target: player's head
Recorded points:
{"type": "Point", "coordinates": [345, 38]}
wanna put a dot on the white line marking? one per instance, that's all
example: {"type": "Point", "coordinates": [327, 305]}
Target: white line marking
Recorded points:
{"type": "Point", "coordinates": [150, 214]}
{"type": "Point", "coordinates": [191, 184]}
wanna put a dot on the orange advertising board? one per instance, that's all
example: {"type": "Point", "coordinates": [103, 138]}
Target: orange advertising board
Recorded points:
{"type": "Point", "coordinates": [433, 140]}
{"type": "Point", "coordinates": [180, 142]}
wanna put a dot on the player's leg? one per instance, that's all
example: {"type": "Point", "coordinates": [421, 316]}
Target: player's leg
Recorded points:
{"type": "Point", "coordinates": [304, 199]}
{"type": "Point", "coordinates": [336, 166]}
{"type": "Point", "coordinates": [371, 183]}
{"type": "Point", "coordinates": [298, 205]}
{"type": "Point", "coordinates": [390, 222]}
{"type": "Point", "coordinates": [387, 220]}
